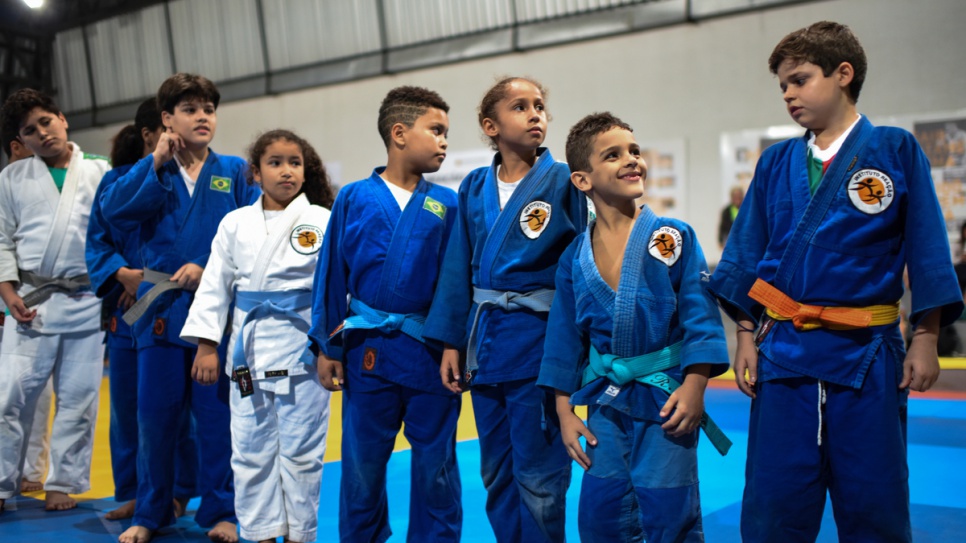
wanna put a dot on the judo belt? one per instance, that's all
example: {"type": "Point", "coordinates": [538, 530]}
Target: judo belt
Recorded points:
{"type": "Point", "coordinates": [265, 304]}
{"type": "Point", "coordinates": [648, 369]}
{"type": "Point", "coordinates": [536, 300]}
{"type": "Point", "coordinates": [45, 287]}
{"type": "Point", "coordinates": [162, 283]}
{"type": "Point", "coordinates": [780, 306]}
{"type": "Point", "coordinates": [367, 318]}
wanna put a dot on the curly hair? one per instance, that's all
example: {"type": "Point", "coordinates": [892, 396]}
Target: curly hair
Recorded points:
{"type": "Point", "coordinates": [499, 90]}
{"type": "Point", "coordinates": [16, 108]}
{"type": "Point", "coordinates": [316, 185]}
{"type": "Point", "coordinates": [405, 105]}
{"type": "Point", "coordinates": [827, 45]}
{"type": "Point", "coordinates": [580, 141]}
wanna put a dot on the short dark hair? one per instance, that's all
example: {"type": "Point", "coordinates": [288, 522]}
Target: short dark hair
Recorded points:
{"type": "Point", "coordinates": [405, 105]}
{"type": "Point", "coordinates": [182, 86]}
{"type": "Point", "coordinates": [316, 184]}
{"type": "Point", "coordinates": [6, 138]}
{"type": "Point", "coordinates": [16, 108]}
{"type": "Point", "coordinates": [127, 147]}
{"type": "Point", "coordinates": [499, 90]}
{"type": "Point", "coordinates": [827, 45]}
{"type": "Point", "coordinates": [580, 141]}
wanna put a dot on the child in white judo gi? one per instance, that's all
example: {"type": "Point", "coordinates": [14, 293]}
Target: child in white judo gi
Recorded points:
{"type": "Point", "coordinates": [263, 260]}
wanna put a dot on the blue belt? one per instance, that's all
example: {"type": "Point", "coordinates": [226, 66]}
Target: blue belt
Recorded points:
{"type": "Point", "coordinates": [536, 300]}
{"type": "Point", "coordinates": [648, 369]}
{"type": "Point", "coordinates": [263, 304]}
{"type": "Point", "coordinates": [367, 318]}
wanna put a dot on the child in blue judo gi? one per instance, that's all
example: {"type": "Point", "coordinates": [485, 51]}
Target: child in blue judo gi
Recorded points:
{"type": "Point", "coordinates": [815, 263]}
{"type": "Point", "coordinates": [384, 249]}
{"type": "Point", "coordinates": [54, 329]}
{"type": "Point", "coordinates": [114, 266]}
{"type": "Point", "coordinates": [175, 197]}
{"type": "Point", "coordinates": [631, 297]}
{"type": "Point", "coordinates": [516, 217]}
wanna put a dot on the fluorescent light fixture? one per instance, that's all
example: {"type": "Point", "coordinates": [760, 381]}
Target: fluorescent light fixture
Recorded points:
{"type": "Point", "coordinates": [34, 4]}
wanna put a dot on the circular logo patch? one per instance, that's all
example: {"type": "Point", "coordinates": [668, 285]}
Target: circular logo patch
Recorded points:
{"type": "Point", "coordinates": [306, 239]}
{"type": "Point", "coordinates": [535, 218]}
{"type": "Point", "coordinates": [871, 191]}
{"type": "Point", "coordinates": [159, 326]}
{"type": "Point", "coordinates": [665, 245]}
{"type": "Point", "coordinates": [112, 325]}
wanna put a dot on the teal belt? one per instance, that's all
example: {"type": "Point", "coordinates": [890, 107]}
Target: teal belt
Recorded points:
{"type": "Point", "coordinates": [648, 369]}
{"type": "Point", "coordinates": [367, 318]}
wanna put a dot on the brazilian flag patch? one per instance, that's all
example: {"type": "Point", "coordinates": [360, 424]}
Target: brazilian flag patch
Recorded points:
{"type": "Point", "coordinates": [434, 207]}
{"type": "Point", "coordinates": [221, 184]}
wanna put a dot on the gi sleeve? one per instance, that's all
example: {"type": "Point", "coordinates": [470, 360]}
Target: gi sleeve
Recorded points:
{"type": "Point", "coordinates": [208, 314]}
{"type": "Point", "coordinates": [136, 196]}
{"type": "Point", "coordinates": [101, 252]}
{"type": "Point", "coordinates": [330, 291]}
{"type": "Point", "coordinates": [8, 229]}
{"type": "Point", "coordinates": [698, 317]}
{"type": "Point", "coordinates": [566, 344]}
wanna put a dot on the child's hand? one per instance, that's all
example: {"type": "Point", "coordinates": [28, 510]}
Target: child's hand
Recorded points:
{"type": "Point", "coordinates": [129, 279]}
{"type": "Point", "coordinates": [746, 359]}
{"type": "Point", "coordinates": [571, 428]}
{"type": "Point", "coordinates": [330, 373]}
{"type": "Point", "coordinates": [125, 301]}
{"type": "Point", "coordinates": [450, 371]}
{"type": "Point", "coordinates": [920, 369]}
{"type": "Point", "coordinates": [205, 369]}
{"type": "Point", "coordinates": [168, 144]}
{"type": "Point", "coordinates": [15, 304]}
{"type": "Point", "coordinates": [188, 276]}
{"type": "Point", "coordinates": [687, 404]}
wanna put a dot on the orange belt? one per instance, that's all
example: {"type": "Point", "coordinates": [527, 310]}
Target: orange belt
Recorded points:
{"type": "Point", "coordinates": [809, 317]}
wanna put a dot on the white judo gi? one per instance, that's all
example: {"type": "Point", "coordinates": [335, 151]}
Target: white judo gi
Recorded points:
{"type": "Point", "coordinates": [278, 432]}
{"type": "Point", "coordinates": [44, 232]}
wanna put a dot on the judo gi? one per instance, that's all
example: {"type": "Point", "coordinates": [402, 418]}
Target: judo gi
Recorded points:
{"type": "Point", "coordinates": [278, 432]}
{"type": "Point", "coordinates": [389, 260]}
{"type": "Point", "coordinates": [42, 237]}
{"type": "Point", "coordinates": [828, 414]}
{"type": "Point", "coordinates": [175, 228]}
{"type": "Point", "coordinates": [642, 483]}
{"type": "Point", "coordinates": [525, 467]}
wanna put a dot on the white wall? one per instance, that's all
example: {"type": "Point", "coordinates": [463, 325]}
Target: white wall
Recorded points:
{"type": "Point", "coordinates": [686, 81]}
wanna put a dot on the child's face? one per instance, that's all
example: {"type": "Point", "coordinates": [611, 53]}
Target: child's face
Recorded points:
{"type": "Point", "coordinates": [280, 172]}
{"type": "Point", "coordinates": [617, 171]}
{"type": "Point", "coordinates": [812, 99]}
{"type": "Point", "coordinates": [45, 133]}
{"type": "Point", "coordinates": [521, 117]}
{"type": "Point", "coordinates": [425, 141]}
{"type": "Point", "coordinates": [193, 120]}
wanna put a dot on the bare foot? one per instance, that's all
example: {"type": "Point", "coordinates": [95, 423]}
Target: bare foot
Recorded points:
{"type": "Point", "coordinates": [180, 506]}
{"type": "Point", "coordinates": [122, 512]}
{"type": "Point", "coordinates": [58, 501]}
{"type": "Point", "coordinates": [224, 532]}
{"type": "Point", "coordinates": [136, 534]}
{"type": "Point", "coordinates": [30, 486]}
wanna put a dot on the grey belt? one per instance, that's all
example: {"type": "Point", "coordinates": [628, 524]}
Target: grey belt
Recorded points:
{"type": "Point", "coordinates": [45, 287]}
{"type": "Point", "coordinates": [162, 283]}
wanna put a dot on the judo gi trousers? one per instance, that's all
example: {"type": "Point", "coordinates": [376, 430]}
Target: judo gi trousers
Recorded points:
{"type": "Point", "coordinates": [38, 446]}
{"type": "Point", "coordinates": [370, 422]}
{"type": "Point", "coordinates": [165, 391]}
{"type": "Point", "coordinates": [525, 467]}
{"type": "Point", "coordinates": [852, 445]}
{"type": "Point", "coordinates": [28, 360]}
{"type": "Point", "coordinates": [642, 483]}
{"type": "Point", "coordinates": [278, 443]}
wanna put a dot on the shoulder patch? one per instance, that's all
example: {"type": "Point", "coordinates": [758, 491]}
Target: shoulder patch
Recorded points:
{"type": "Point", "coordinates": [306, 239]}
{"type": "Point", "coordinates": [665, 245]}
{"type": "Point", "coordinates": [220, 184]}
{"type": "Point", "coordinates": [871, 191]}
{"type": "Point", "coordinates": [535, 218]}
{"type": "Point", "coordinates": [434, 207]}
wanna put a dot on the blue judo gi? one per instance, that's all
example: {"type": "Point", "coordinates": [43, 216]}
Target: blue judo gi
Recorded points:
{"type": "Point", "coordinates": [389, 259]}
{"type": "Point", "coordinates": [642, 483]}
{"type": "Point", "coordinates": [525, 467]}
{"type": "Point", "coordinates": [176, 228]}
{"type": "Point", "coordinates": [108, 250]}
{"type": "Point", "coordinates": [828, 414]}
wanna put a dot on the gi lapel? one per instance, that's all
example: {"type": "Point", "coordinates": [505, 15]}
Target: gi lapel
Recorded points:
{"type": "Point", "coordinates": [625, 340]}
{"type": "Point", "coordinates": [500, 223]}
{"type": "Point", "coordinates": [282, 231]}
{"type": "Point", "coordinates": [65, 205]}
{"type": "Point", "coordinates": [396, 254]}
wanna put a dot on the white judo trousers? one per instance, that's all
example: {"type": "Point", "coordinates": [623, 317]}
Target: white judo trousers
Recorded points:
{"type": "Point", "coordinates": [36, 460]}
{"type": "Point", "coordinates": [278, 432]}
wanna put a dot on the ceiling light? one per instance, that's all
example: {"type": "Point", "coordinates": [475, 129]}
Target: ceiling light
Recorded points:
{"type": "Point", "coordinates": [34, 4]}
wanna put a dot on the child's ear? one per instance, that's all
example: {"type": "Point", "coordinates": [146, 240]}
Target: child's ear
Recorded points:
{"type": "Point", "coordinates": [397, 134]}
{"type": "Point", "coordinates": [166, 120]}
{"type": "Point", "coordinates": [490, 128]}
{"type": "Point", "coordinates": [581, 180]}
{"type": "Point", "coordinates": [844, 74]}
{"type": "Point", "coordinates": [256, 174]}
{"type": "Point", "coordinates": [64, 119]}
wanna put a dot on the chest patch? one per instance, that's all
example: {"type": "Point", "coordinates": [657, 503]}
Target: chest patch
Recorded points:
{"type": "Point", "coordinates": [871, 191]}
{"type": "Point", "coordinates": [220, 184]}
{"type": "Point", "coordinates": [535, 218]}
{"type": "Point", "coordinates": [306, 239]}
{"type": "Point", "coordinates": [665, 245]}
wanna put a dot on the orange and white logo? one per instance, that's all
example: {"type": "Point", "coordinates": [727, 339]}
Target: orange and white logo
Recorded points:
{"type": "Point", "coordinates": [665, 245]}
{"type": "Point", "coordinates": [535, 218]}
{"type": "Point", "coordinates": [306, 239]}
{"type": "Point", "coordinates": [871, 191]}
